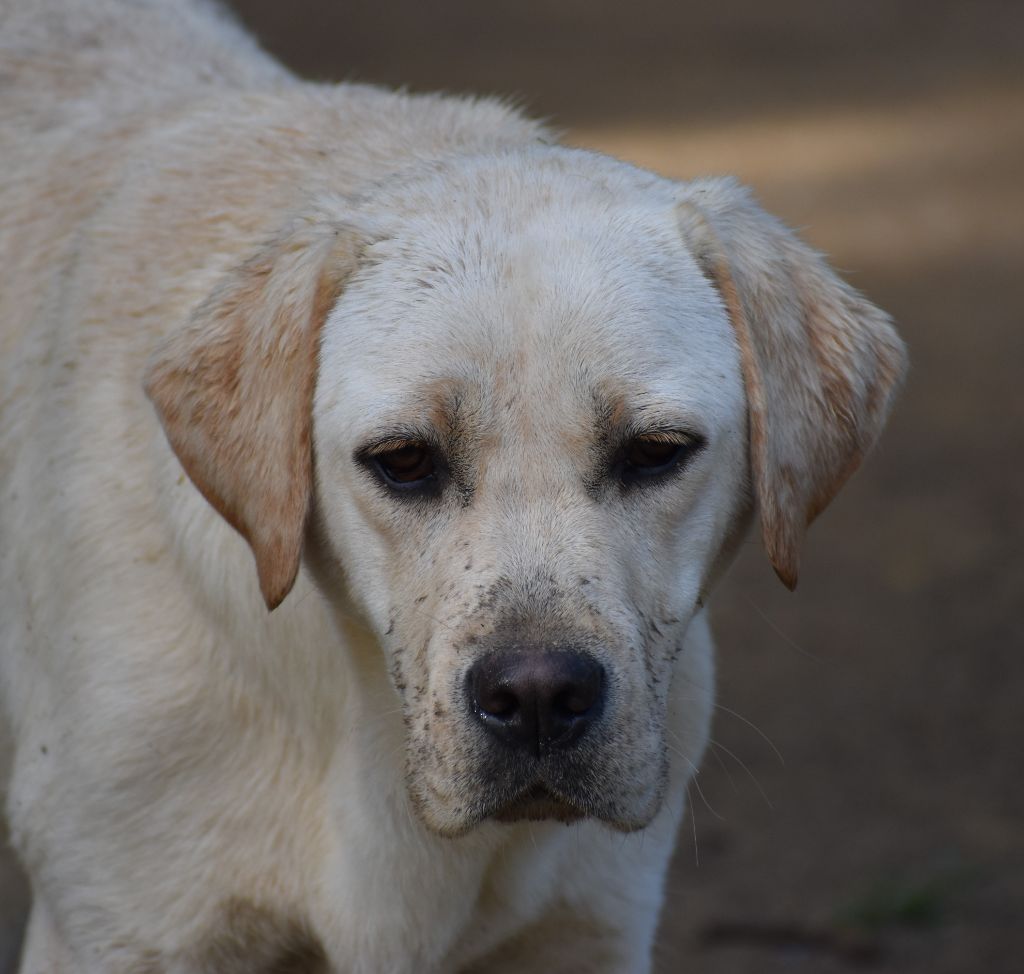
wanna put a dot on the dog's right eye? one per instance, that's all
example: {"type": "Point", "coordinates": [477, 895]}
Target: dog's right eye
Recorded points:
{"type": "Point", "coordinates": [406, 465]}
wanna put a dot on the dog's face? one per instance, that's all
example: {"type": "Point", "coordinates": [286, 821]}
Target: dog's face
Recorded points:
{"type": "Point", "coordinates": [530, 434]}
{"type": "Point", "coordinates": [544, 395]}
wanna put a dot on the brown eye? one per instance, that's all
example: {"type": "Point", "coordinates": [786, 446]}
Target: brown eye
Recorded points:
{"type": "Point", "coordinates": [406, 465]}
{"type": "Point", "coordinates": [651, 453]}
{"type": "Point", "coordinates": [646, 457]}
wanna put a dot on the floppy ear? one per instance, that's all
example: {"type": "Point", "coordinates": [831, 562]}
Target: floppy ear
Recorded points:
{"type": "Point", "coordinates": [820, 363]}
{"type": "Point", "coordinates": [234, 391]}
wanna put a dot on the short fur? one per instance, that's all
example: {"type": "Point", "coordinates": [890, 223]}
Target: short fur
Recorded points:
{"type": "Point", "coordinates": [219, 288]}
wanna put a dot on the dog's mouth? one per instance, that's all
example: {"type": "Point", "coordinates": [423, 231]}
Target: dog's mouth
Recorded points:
{"type": "Point", "coordinates": [537, 804]}
{"type": "Point", "coordinates": [536, 798]}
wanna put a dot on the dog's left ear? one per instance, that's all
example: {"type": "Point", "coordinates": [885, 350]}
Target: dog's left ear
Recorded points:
{"type": "Point", "coordinates": [234, 390]}
{"type": "Point", "coordinates": [820, 363]}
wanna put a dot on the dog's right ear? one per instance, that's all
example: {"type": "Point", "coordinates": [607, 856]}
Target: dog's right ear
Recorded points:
{"type": "Point", "coordinates": [234, 390]}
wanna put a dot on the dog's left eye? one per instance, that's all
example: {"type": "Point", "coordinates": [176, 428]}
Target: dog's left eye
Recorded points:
{"type": "Point", "coordinates": [406, 465]}
{"type": "Point", "coordinates": [649, 456]}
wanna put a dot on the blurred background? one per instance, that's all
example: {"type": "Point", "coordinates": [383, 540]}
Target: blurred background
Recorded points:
{"type": "Point", "coordinates": [863, 804]}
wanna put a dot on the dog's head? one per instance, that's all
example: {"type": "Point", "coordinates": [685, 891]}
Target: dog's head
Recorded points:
{"type": "Point", "coordinates": [526, 403]}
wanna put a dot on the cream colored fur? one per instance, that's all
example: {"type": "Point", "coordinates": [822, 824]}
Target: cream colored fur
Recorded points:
{"type": "Point", "coordinates": [217, 284]}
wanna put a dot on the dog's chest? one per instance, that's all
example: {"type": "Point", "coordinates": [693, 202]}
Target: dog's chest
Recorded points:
{"type": "Point", "coordinates": [410, 902]}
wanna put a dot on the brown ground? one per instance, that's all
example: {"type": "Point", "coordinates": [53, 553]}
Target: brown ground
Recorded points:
{"type": "Point", "coordinates": [891, 683]}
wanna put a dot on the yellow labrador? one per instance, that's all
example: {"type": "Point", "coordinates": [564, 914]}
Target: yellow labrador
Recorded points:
{"type": "Point", "coordinates": [478, 416]}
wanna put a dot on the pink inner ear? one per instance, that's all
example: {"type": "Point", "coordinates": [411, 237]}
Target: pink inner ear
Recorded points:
{"type": "Point", "coordinates": [234, 392]}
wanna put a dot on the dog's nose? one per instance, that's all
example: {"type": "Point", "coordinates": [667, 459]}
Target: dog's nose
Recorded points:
{"type": "Point", "coordinates": [535, 701]}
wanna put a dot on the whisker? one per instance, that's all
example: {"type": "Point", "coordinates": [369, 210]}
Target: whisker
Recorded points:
{"type": "Point", "coordinates": [696, 783]}
{"type": "Point", "coordinates": [778, 632]}
{"type": "Point", "coordinates": [757, 730]}
{"type": "Point", "coordinates": [693, 823]}
{"type": "Point", "coordinates": [679, 811]}
{"type": "Point", "coordinates": [383, 715]}
{"type": "Point", "coordinates": [753, 778]}
{"type": "Point", "coordinates": [727, 772]}
{"type": "Point", "coordinates": [434, 619]}
{"type": "Point", "coordinates": [692, 683]}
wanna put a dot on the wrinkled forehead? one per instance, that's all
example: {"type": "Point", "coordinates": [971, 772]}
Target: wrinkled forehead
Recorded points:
{"type": "Point", "coordinates": [547, 309]}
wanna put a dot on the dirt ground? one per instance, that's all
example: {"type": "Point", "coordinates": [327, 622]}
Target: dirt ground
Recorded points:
{"type": "Point", "coordinates": [863, 804]}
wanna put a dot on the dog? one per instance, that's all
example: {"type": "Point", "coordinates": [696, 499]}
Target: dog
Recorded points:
{"type": "Point", "coordinates": [366, 461]}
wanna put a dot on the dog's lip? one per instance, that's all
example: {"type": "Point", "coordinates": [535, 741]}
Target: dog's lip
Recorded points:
{"type": "Point", "coordinates": [536, 804]}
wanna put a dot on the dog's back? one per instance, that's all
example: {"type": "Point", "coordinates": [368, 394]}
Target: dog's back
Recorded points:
{"type": "Point", "coordinates": [76, 78]}
{"type": "Point", "coordinates": [76, 62]}
{"type": "Point", "coordinates": [82, 82]}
